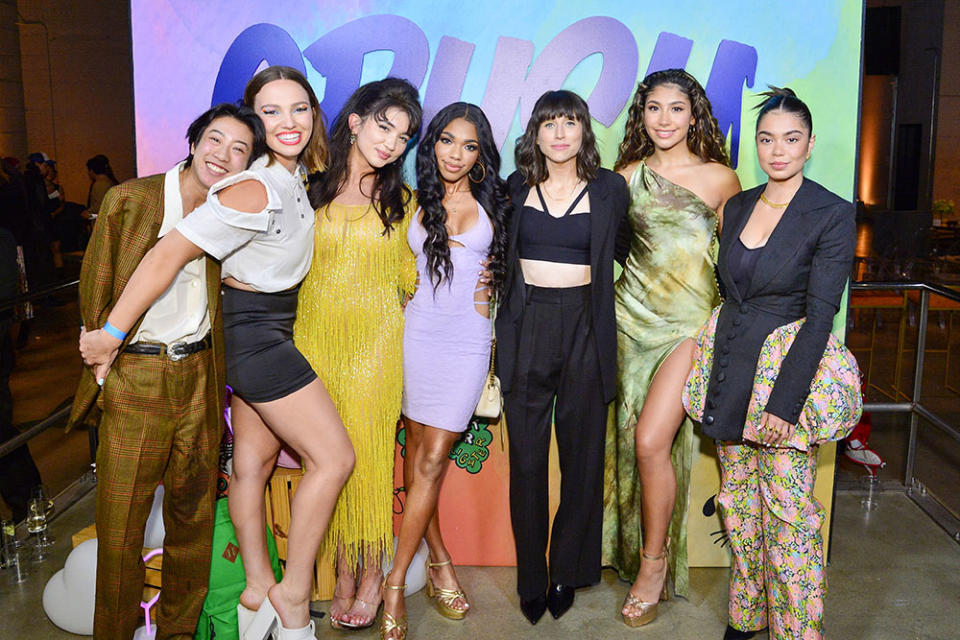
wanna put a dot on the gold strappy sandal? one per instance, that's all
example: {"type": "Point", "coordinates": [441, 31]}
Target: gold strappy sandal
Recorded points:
{"type": "Point", "coordinates": [647, 610]}
{"type": "Point", "coordinates": [389, 624]}
{"type": "Point", "coordinates": [444, 598]}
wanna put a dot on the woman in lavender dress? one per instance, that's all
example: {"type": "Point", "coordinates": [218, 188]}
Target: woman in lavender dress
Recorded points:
{"type": "Point", "coordinates": [446, 340]}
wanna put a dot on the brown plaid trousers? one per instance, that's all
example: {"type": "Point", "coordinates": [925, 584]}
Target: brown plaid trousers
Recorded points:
{"type": "Point", "coordinates": [159, 421]}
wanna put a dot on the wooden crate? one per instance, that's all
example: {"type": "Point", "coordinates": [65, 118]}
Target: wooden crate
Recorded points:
{"type": "Point", "coordinates": [280, 490]}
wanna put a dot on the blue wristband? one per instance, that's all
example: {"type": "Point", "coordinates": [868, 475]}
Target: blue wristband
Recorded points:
{"type": "Point", "coordinates": [116, 333]}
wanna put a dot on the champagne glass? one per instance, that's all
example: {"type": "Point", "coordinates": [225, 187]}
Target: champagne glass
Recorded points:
{"type": "Point", "coordinates": [40, 493]}
{"type": "Point", "coordinates": [37, 525]}
{"type": "Point", "coordinates": [11, 552]}
{"type": "Point", "coordinates": [7, 532]}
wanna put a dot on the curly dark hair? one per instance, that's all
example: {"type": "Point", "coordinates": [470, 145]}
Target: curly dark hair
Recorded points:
{"type": "Point", "coordinates": [786, 100]}
{"type": "Point", "coordinates": [704, 137]}
{"type": "Point", "coordinates": [390, 195]}
{"type": "Point", "coordinates": [553, 104]}
{"type": "Point", "coordinates": [490, 192]}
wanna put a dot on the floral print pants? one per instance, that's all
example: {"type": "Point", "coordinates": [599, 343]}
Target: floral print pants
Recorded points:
{"type": "Point", "coordinates": [773, 520]}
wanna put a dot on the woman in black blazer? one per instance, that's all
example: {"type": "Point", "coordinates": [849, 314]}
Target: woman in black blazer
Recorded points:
{"type": "Point", "coordinates": [557, 342]}
{"type": "Point", "coordinates": [786, 253]}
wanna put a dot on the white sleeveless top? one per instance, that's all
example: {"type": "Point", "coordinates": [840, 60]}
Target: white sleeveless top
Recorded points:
{"type": "Point", "coordinates": [271, 250]}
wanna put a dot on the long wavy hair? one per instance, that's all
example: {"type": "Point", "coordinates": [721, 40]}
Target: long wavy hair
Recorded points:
{"type": "Point", "coordinates": [314, 155]}
{"type": "Point", "coordinates": [486, 187]}
{"type": "Point", "coordinates": [390, 195]}
{"type": "Point", "coordinates": [786, 100]}
{"type": "Point", "coordinates": [704, 137]}
{"type": "Point", "coordinates": [530, 160]}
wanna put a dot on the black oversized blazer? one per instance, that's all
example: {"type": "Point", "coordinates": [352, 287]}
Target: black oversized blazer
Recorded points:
{"type": "Point", "coordinates": [801, 272]}
{"type": "Point", "coordinates": [609, 240]}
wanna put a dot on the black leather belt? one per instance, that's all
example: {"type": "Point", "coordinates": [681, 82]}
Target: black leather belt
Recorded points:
{"type": "Point", "coordinates": [175, 351]}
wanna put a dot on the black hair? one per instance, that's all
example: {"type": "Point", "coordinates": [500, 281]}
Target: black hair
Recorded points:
{"type": "Point", "coordinates": [486, 187]}
{"type": "Point", "coordinates": [100, 165]}
{"type": "Point", "coordinates": [784, 99]}
{"type": "Point", "coordinates": [243, 114]}
{"type": "Point", "coordinates": [553, 104]}
{"type": "Point", "coordinates": [389, 195]}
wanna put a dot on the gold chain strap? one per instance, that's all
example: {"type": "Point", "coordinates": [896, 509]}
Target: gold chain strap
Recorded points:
{"type": "Point", "coordinates": [494, 307]}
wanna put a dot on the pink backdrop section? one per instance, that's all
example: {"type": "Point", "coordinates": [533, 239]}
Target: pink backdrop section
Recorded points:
{"type": "Point", "coordinates": [474, 508]}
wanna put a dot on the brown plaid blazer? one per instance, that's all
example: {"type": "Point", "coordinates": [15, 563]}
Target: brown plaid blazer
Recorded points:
{"type": "Point", "coordinates": [127, 227]}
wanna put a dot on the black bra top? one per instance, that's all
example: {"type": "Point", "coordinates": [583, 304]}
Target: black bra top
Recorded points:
{"type": "Point", "coordinates": [543, 237]}
{"type": "Point", "coordinates": [742, 264]}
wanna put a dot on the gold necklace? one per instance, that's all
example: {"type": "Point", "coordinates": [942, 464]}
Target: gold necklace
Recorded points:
{"type": "Point", "coordinates": [449, 194]}
{"type": "Point", "coordinates": [567, 197]}
{"type": "Point", "coordinates": [775, 205]}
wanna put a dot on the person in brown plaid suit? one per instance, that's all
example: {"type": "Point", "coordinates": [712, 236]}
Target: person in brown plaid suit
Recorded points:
{"type": "Point", "coordinates": [160, 409]}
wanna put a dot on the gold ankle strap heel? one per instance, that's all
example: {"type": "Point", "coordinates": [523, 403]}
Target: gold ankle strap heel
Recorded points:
{"type": "Point", "coordinates": [443, 599]}
{"type": "Point", "coordinates": [389, 624]}
{"type": "Point", "coordinates": [646, 612]}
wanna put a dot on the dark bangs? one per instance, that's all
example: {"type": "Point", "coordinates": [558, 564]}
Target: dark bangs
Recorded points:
{"type": "Point", "coordinates": [530, 160]}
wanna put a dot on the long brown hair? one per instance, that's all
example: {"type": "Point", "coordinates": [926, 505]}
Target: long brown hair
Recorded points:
{"type": "Point", "coordinates": [704, 137]}
{"type": "Point", "coordinates": [314, 155]}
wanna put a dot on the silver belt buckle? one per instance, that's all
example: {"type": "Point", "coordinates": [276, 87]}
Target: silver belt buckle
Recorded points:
{"type": "Point", "coordinates": [174, 351]}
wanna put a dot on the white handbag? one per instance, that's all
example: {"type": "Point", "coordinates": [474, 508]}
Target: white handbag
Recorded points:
{"type": "Point", "coordinates": [491, 399]}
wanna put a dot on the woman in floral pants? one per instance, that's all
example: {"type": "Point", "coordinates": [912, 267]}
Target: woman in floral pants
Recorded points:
{"type": "Point", "coordinates": [785, 255]}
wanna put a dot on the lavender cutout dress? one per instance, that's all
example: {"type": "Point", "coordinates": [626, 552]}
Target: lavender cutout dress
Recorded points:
{"type": "Point", "coordinates": [446, 342]}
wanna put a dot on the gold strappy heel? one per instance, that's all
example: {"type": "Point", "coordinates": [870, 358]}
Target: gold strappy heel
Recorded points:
{"type": "Point", "coordinates": [444, 598]}
{"type": "Point", "coordinates": [389, 624]}
{"type": "Point", "coordinates": [647, 610]}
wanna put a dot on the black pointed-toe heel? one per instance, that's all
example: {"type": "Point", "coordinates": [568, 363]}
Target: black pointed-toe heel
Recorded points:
{"type": "Point", "coordinates": [559, 599]}
{"type": "Point", "coordinates": [533, 609]}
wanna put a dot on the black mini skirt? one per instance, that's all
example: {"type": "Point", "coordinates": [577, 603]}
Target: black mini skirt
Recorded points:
{"type": "Point", "coordinates": [262, 362]}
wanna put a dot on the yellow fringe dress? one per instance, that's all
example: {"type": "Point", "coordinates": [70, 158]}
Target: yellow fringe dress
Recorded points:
{"type": "Point", "coordinates": [350, 327]}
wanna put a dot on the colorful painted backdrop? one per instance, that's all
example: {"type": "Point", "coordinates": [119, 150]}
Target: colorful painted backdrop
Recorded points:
{"type": "Point", "coordinates": [502, 56]}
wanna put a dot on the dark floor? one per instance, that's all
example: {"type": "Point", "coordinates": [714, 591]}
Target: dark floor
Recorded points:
{"type": "Point", "coordinates": [894, 575]}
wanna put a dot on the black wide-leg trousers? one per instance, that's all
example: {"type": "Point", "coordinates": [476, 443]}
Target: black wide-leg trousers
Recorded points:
{"type": "Point", "coordinates": [557, 360]}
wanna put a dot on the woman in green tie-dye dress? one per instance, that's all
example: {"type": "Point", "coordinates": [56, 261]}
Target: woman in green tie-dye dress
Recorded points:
{"type": "Point", "coordinates": [674, 160]}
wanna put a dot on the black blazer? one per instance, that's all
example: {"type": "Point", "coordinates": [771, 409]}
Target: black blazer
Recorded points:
{"type": "Point", "coordinates": [801, 272]}
{"type": "Point", "coordinates": [609, 240]}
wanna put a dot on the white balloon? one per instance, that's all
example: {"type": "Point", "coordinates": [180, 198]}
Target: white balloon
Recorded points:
{"type": "Point", "coordinates": [417, 572]}
{"type": "Point", "coordinates": [141, 632]}
{"type": "Point", "coordinates": [71, 611]}
{"type": "Point", "coordinates": [154, 531]}
{"type": "Point", "coordinates": [80, 569]}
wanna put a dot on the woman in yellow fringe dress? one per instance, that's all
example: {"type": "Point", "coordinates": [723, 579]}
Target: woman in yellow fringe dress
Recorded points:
{"type": "Point", "coordinates": [350, 323]}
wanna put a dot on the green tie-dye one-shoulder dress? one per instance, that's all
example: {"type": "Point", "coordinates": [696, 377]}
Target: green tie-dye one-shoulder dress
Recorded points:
{"type": "Point", "coordinates": [664, 295]}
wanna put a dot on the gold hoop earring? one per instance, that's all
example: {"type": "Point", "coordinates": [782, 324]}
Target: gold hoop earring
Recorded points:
{"type": "Point", "coordinates": [483, 176]}
{"type": "Point", "coordinates": [353, 138]}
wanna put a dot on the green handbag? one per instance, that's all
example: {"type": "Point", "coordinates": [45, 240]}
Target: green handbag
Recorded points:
{"type": "Point", "coordinates": [218, 618]}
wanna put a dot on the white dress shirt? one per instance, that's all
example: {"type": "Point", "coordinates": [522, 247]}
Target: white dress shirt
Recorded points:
{"type": "Point", "coordinates": [180, 314]}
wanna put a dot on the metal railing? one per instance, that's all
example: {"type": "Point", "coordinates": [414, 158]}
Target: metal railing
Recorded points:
{"type": "Point", "coordinates": [38, 295]}
{"type": "Point", "coordinates": [917, 411]}
{"type": "Point", "coordinates": [13, 443]}
{"type": "Point", "coordinates": [87, 481]}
